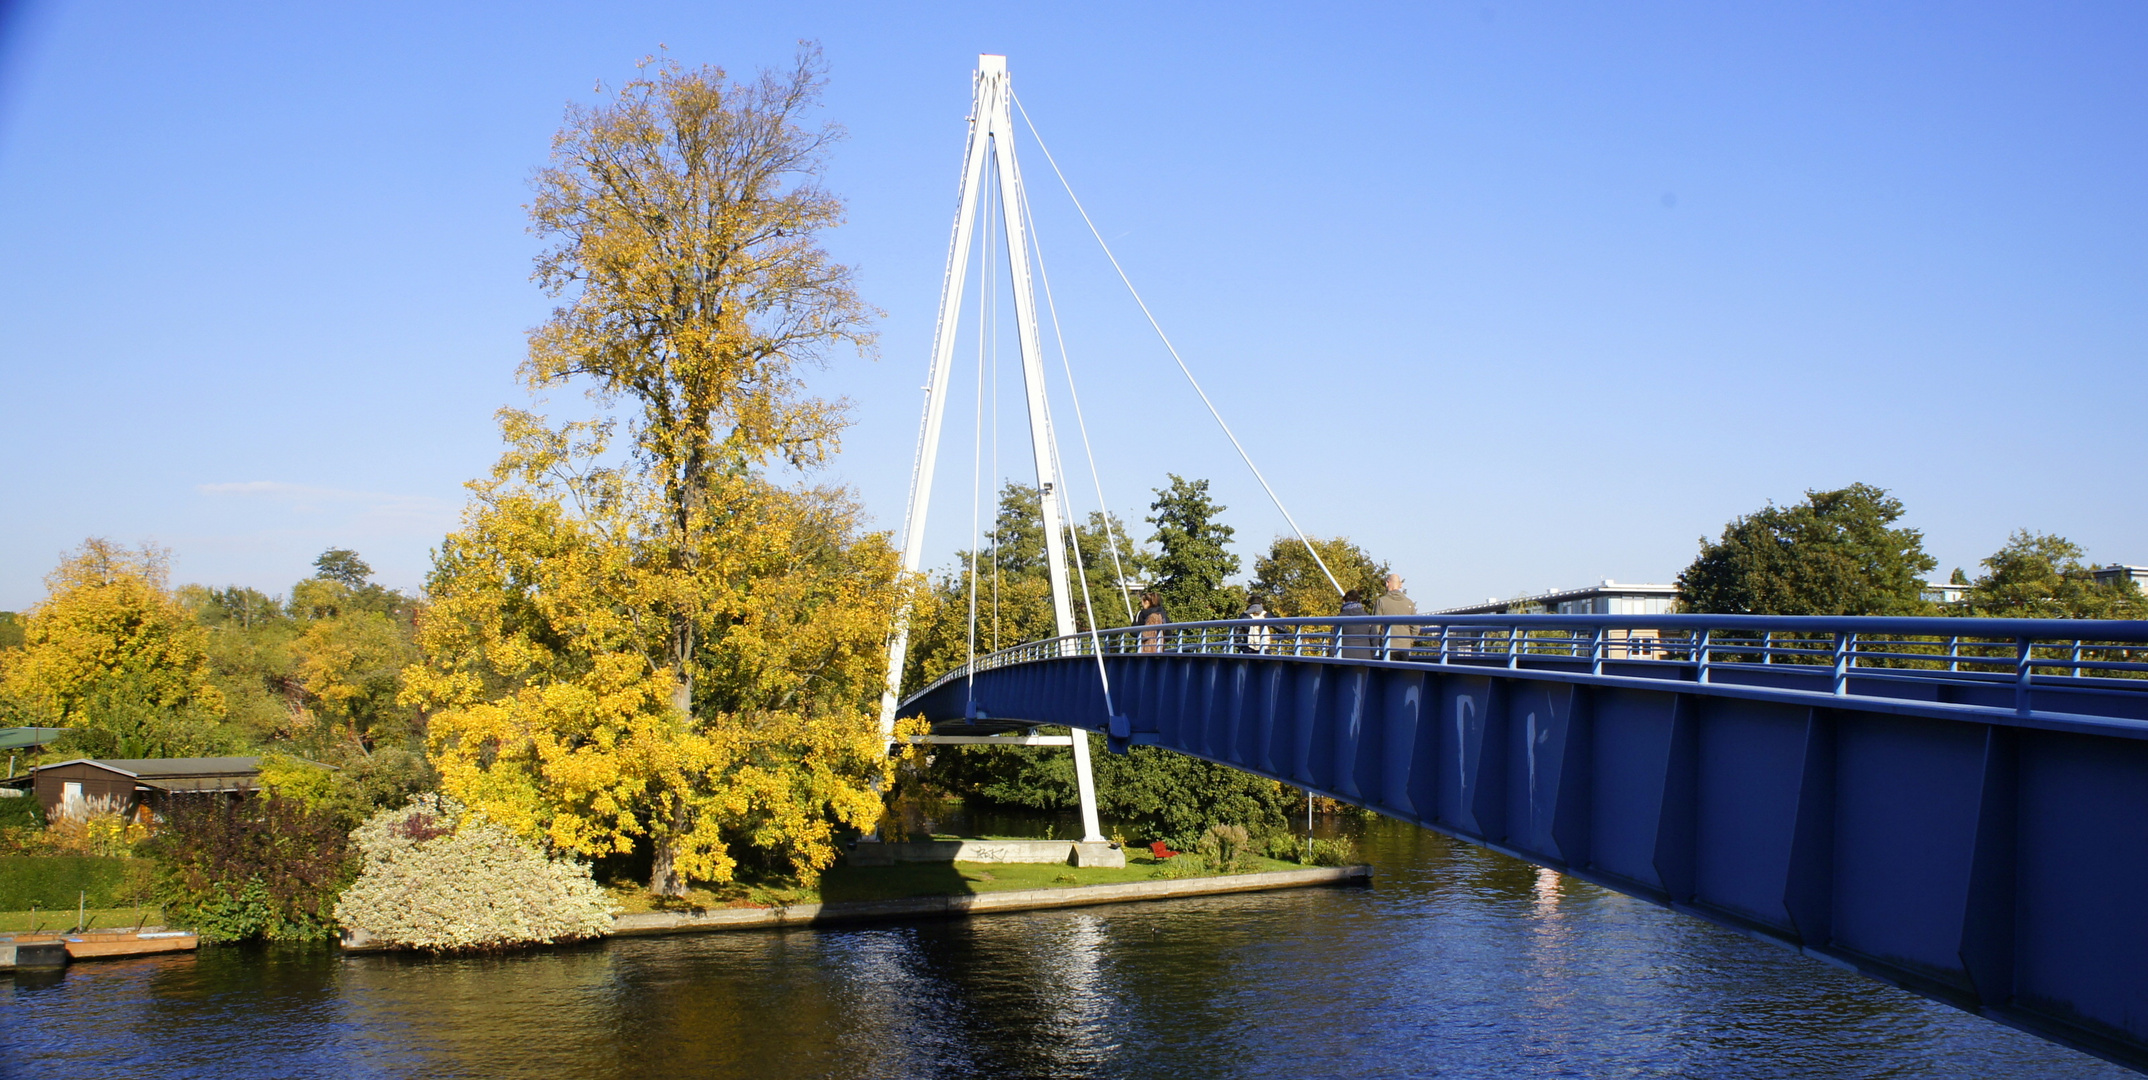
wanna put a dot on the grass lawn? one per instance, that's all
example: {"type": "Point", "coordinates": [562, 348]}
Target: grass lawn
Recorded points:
{"type": "Point", "coordinates": [53, 920]}
{"type": "Point", "coordinates": [843, 883]}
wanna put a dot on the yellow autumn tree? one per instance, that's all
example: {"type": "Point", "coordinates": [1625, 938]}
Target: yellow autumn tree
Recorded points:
{"type": "Point", "coordinates": [665, 642]}
{"type": "Point", "coordinates": [112, 655]}
{"type": "Point", "coordinates": [1293, 585]}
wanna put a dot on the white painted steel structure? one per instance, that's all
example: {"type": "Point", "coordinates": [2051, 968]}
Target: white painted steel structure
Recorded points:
{"type": "Point", "coordinates": [991, 139]}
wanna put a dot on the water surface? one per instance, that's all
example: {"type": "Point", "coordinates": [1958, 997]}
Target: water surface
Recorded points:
{"type": "Point", "coordinates": [1457, 963]}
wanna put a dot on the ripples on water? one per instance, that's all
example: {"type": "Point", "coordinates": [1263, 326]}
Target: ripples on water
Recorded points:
{"type": "Point", "coordinates": [1459, 963]}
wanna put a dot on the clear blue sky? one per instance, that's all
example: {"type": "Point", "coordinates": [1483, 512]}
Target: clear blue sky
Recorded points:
{"type": "Point", "coordinates": [1517, 295]}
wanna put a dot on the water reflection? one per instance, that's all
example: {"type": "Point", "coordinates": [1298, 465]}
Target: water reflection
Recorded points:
{"type": "Point", "coordinates": [1459, 963]}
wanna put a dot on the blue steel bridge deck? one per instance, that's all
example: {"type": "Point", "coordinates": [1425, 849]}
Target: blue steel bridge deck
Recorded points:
{"type": "Point", "coordinates": [1955, 806]}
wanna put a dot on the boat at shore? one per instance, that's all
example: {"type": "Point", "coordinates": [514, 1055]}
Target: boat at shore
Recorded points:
{"type": "Point", "coordinates": [103, 945]}
{"type": "Point", "coordinates": [56, 950]}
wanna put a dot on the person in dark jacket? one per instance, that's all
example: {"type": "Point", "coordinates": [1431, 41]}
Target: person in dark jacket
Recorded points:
{"type": "Point", "coordinates": [1356, 640]}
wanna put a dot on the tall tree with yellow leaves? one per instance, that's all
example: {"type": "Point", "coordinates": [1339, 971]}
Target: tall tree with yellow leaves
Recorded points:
{"type": "Point", "coordinates": [668, 643]}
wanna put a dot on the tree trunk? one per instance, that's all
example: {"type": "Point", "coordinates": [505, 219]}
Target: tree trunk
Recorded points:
{"type": "Point", "coordinates": [664, 877]}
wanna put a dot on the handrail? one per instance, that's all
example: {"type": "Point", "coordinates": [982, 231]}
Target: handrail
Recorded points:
{"type": "Point", "coordinates": [2022, 652]}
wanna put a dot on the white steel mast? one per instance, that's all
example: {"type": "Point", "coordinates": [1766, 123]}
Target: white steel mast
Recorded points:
{"type": "Point", "coordinates": [991, 135]}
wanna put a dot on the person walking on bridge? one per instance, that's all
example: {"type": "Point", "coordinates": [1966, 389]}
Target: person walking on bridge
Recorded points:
{"type": "Point", "coordinates": [1254, 638]}
{"type": "Point", "coordinates": [1400, 637]}
{"type": "Point", "coordinates": [1151, 614]}
{"type": "Point", "coordinates": [1356, 641]}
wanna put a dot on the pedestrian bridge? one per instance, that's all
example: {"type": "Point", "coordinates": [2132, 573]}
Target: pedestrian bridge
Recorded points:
{"type": "Point", "coordinates": [1955, 806]}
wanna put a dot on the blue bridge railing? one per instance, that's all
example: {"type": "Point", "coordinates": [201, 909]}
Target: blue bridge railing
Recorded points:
{"type": "Point", "coordinates": [2018, 665]}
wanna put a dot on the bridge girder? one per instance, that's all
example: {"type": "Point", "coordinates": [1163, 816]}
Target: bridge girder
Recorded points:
{"type": "Point", "coordinates": [1924, 832]}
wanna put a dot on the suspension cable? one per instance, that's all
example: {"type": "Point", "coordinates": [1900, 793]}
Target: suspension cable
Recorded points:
{"type": "Point", "coordinates": [1111, 539]}
{"type": "Point", "coordinates": [1081, 573]}
{"type": "Point", "coordinates": [1172, 349]}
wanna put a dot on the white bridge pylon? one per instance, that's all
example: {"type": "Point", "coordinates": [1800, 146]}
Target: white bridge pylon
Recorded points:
{"type": "Point", "coordinates": [991, 139]}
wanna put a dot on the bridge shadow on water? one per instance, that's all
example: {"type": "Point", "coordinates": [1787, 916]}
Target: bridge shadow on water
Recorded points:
{"type": "Point", "coordinates": [842, 883]}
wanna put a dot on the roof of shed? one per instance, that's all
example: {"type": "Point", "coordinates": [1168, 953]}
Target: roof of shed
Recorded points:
{"type": "Point", "coordinates": [22, 738]}
{"type": "Point", "coordinates": [181, 774]}
{"type": "Point", "coordinates": [169, 768]}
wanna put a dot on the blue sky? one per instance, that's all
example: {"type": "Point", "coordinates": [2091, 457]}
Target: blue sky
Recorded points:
{"type": "Point", "coordinates": [1517, 295]}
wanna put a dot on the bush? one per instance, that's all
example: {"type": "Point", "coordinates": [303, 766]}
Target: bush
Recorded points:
{"type": "Point", "coordinates": [441, 879]}
{"type": "Point", "coordinates": [21, 812]}
{"type": "Point", "coordinates": [1225, 848]}
{"type": "Point", "coordinates": [363, 785]}
{"type": "Point", "coordinates": [1341, 851]}
{"type": "Point", "coordinates": [59, 881]}
{"type": "Point", "coordinates": [103, 831]}
{"type": "Point", "coordinates": [1282, 844]}
{"type": "Point", "coordinates": [1182, 866]}
{"type": "Point", "coordinates": [261, 866]}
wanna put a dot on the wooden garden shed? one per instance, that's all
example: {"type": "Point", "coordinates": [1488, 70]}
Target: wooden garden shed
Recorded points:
{"type": "Point", "coordinates": [136, 785]}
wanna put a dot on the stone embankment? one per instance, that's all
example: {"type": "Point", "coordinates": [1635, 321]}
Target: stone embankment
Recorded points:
{"type": "Point", "coordinates": [951, 906]}
{"type": "Point", "coordinates": [956, 906]}
{"type": "Point", "coordinates": [1070, 852]}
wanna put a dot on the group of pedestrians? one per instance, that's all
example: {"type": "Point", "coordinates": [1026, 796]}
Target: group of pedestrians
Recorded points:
{"type": "Point", "coordinates": [1363, 643]}
{"type": "Point", "coordinates": [1375, 642]}
{"type": "Point", "coordinates": [1392, 641]}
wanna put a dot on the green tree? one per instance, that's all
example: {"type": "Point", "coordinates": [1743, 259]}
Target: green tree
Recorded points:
{"type": "Point", "coordinates": [249, 639]}
{"type": "Point", "coordinates": [1836, 553]}
{"type": "Point", "coordinates": [1014, 595]}
{"type": "Point", "coordinates": [1290, 583]}
{"type": "Point", "coordinates": [11, 628]}
{"type": "Point", "coordinates": [1194, 555]}
{"type": "Point", "coordinates": [1155, 794]}
{"type": "Point", "coordinates": [2042, 576]}
{"type": "Point", "coordinates": [1159, 794]}
{"type": "Point", "coordinates": [342, 584]}
{"type": "Point", "coordinates": [344, 565]}
{"type": "Point", "coordinates": [319, 677]}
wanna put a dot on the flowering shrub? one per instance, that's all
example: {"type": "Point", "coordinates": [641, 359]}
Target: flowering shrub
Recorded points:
{"type": "Point", "coordinates": [98, 829]}
{"type": "Point", "coordinates": [101, 828]}
{"type": "Point", "coordinates": [441, 879]}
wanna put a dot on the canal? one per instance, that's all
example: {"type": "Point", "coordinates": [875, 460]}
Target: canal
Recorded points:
{"type": "Point", "coordinates": [1457, 963]}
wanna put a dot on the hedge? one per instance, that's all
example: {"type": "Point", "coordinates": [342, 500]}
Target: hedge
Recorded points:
{"type": "Point", "coordinates": [57, 881]}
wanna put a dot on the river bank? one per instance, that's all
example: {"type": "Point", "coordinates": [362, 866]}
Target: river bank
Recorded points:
{"type": "Point", "coordinates": [961, 901]}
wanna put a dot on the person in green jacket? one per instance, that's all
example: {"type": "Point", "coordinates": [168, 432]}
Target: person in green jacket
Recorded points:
{"type": "Point", "coordinates": [1400, 637]}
